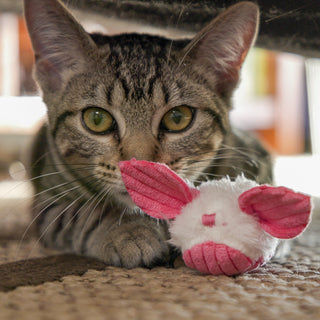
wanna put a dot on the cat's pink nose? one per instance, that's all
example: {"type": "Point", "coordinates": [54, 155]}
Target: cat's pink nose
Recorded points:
{"type": "Point", "coordinates": [209, 220]}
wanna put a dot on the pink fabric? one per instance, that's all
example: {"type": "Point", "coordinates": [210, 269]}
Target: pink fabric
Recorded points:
{"type": "Point", "coordinates": [217, 259]}
{"type": "Point", "coordinates": [209, 220]}
{"type": "Point", "coordinates": [161, 193]}
{"type": "Point", "coordinates": [155, 188]}
{"type": "Point", "coordinates": [282, 212]}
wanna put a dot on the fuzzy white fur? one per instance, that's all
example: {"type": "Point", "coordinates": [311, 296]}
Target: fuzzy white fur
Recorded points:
{"type": "Point", "coordinates": [233, 228]}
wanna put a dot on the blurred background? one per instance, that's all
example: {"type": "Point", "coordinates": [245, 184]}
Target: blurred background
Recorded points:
{"type": "Point", "coordinates": [278, 100]}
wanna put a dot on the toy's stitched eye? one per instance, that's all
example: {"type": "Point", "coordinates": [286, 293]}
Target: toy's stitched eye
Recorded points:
{"type": "Point", "coordinates": [209, 220]}
{"type": "Point", "coordinates": [97, 120]}
{"type": "Point", "coordinates": [177, 119]}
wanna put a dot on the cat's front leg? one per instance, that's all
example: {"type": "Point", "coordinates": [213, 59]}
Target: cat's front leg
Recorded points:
{"type": "Point", "coordinates": [136, 241]}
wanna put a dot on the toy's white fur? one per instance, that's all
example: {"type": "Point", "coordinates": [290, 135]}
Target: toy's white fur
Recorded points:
{"type": "Point", "coordinates": [233, 228]}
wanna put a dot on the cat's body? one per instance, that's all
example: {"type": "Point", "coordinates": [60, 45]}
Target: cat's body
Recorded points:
{"type": "Point", "coordinates": [131, 96]}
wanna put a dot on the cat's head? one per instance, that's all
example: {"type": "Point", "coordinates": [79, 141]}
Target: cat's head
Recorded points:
{"type": "Point", "coordinates": [113, 98]}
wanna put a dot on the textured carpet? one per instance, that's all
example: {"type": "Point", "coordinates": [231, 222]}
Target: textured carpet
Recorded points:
{"type": "Point", "coordinates": [37, 286]}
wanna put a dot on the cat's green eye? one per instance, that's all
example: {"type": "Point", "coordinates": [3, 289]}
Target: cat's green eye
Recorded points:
{"type": "Point", "coordinates": [98, 120]}
{"type": "Point", "coordinates": [177, 119]}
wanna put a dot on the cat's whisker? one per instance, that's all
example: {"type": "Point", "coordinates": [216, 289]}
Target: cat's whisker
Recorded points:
{"type": "Point", "coordinates": [235, 168]}
{"type": "Point", "coordinates": [121, 216]}
{"type": "Point", "coordinates": [196, 181]}
{"type": "Point", "coordinates": [243, 157]}
{"type": "Point", "coordinates": [171, 43]}
{"type": "Point", "coordinates": [36, 217]}
{"type": "Point", "coordinates": [22, 182]}
{"type": "Point", "coordinates": [64, 184]}
{"type": "Point", "coordinates": [206, 163]}
{"type": "Point", "coordinates": [75, 215]}
{"type": "Point", "coordinates": [50, 201]}
{"type": "Point", "coordinates": [189, 49]}
{"type": "Point", "coordinates": [245, 151]}
{"type": "Point", "coordinates": [52, 222]}
{"type": "Point", "coordinates": [289, 12]}
{"type": "Point", "coordinates": [85, 203]}
{"type": "Point", "coordinates": [98, 201]}
{"type": "Point", "coordinates": [49, 174]}
{"type": "Point", "coordinates": [190, 162]}
{"type": "Point", "coordinates": [74, 166]}
{"type": "Point", "coordinates": [78, 186]}
{"type": "Point", "coordinates": [203, 175]}
{"type": "Point", "coordinates": [107, 192]}
{"type": "Point", "coordinates": [41, 157]}
{"type": "Point", "coordinates": [58, 197]}
{"type": "Point", "coordinates": [64, 192]}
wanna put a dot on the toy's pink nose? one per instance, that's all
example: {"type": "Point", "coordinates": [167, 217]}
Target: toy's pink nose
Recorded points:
{"type": "Point", "coordinates": [209, 220]}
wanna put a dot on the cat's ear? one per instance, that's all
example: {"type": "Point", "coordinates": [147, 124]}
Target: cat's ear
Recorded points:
{"type": "Point", "coordinates": [220, 49]}
{"type": "Point", "coordinates": [59, 42]}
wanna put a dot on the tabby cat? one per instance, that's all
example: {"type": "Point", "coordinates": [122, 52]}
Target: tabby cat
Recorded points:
{"type": "Point", "coordinates": [113, 98]}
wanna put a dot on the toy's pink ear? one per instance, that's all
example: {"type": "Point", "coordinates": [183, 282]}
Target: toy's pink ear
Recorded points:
{"type": "Point", "coordinates": [156, 189]}
{"type": "Point", "coordinates": [282, 212]}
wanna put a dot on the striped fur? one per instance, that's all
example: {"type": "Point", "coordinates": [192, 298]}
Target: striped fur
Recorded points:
{"type": "Point", "coordinates": [81, 204]}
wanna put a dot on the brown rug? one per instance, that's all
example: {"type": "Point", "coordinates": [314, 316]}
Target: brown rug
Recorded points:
{"type": "Point", "coordinates": [36, 286]}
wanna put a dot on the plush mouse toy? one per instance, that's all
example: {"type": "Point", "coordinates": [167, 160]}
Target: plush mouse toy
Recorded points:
{"type": "Point", "coordinates": [223, 226]}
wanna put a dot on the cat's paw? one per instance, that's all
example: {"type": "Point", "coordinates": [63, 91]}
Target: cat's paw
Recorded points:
{"type": "Point", "coordinates": [135, 245]}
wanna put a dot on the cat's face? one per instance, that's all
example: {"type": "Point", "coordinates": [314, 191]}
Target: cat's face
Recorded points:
{"type": "Point", "coordinates": [136, 96]}
{"type": "Point", "coordinates": [142, 106]}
